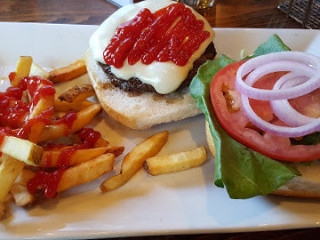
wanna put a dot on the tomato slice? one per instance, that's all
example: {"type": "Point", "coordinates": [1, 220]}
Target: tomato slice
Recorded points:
{"type": "Point", "coordinates": [227, 106]}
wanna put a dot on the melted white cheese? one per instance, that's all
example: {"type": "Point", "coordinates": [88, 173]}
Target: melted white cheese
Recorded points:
{"type": "Point", "coordinates": [165, 77]}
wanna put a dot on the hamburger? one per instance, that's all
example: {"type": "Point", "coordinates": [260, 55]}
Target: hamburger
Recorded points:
{"type": "Point", "coordinates": [250, 158]}
{"type": "Point", "coordinates": [142, 59]}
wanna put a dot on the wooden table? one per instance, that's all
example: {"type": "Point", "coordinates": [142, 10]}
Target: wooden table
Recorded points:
{"type": "Point", "coordinates": [228, 13]}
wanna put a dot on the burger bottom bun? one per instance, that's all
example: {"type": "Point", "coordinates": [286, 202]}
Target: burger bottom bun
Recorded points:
{"type": "Point", "coordinates": [306, 186]}
{"type": "Point", "coordinates": [138, 111]}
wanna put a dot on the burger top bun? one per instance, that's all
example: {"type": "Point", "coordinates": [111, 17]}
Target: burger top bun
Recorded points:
{"type": "Point", "coordinates": [306, 186]}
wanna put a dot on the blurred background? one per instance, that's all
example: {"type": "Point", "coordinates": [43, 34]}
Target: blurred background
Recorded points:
{"type": "Point", "coordinates": [304, 12]}
{"type": "Point", "coordinates": [224, 13]}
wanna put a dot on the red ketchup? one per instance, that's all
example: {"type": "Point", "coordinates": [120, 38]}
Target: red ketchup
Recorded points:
{"type": "Point", "coordinates": [170, 34]}
{"type": "Point", "coordinates": [49, 181]}
{"type": "Point", "coordinates": [47, 160]}
{"type": "Point", "coordinates": [67, 119]}
{"type": "Point", "coordinates": [39, 88]}
{"type": "Point", "coordinates": [24, 131]}
{"type": "Point", "coordinates": [2, 135]}
{"type": "Point", "coordinates": [14, 111]}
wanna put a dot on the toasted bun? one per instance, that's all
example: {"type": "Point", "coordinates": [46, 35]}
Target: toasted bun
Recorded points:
{"type": "Point", "coordinates": [307, 185]}
{"type": "Point", "coordinates": [142, 111]}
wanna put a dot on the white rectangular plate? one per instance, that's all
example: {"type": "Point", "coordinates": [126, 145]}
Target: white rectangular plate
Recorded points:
{"type": "Point", "coordinates": [179, 203]}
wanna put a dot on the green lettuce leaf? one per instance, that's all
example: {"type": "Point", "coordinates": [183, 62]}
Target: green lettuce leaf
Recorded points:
{"type": "Point", "coordinates": [274, 44]}
{"type": "Point", "coordinates": [244, 172]}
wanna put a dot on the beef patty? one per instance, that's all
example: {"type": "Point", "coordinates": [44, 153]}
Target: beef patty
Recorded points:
{"type": "Point", "coordinates": [135, 86]}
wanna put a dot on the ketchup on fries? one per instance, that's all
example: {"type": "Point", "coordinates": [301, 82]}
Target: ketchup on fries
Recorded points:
{"type": "Point", "coordinates": [29, 125]}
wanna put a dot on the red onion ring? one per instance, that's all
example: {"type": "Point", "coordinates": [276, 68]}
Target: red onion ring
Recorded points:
{"type": "Point", "coordinates": [282, 108]}
{"type": "Point", "coordinates": [303, 78]}
{"type": "Point", "coordinates": [275, 129]}
{"type": "Point", "coordinates": [304, 63]}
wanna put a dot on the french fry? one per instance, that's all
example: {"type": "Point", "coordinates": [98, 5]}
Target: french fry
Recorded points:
{"type": "Point", "coordinates": [63, 106]}
{"type": "Point", "coordinates": [101, 142]}
{"type": "Point", "coordinates": [19, 190]}
{"type": "Point", "coordinates": [36, 131]}
{"type": "Point", "coordinates": [86, 172]}
{"type": "Point", "coordinates": [73, 176]}
{"type": "Point", "coordinates": [77, 93]}
{"type": "Point", "coordinates": [2, 210]}
{"type": "Point", "coordinates": [4, 207]}
{"type": "Point", "coordinates": [21, 195]}
{"type": "Point", "coordinates": [36, 70]}
{"type": "Point", "coordinates": [176, 162]}
{"type": "Point", "coordinates": [69, 72]}
{"type": "Point", "coordinates": [114, 182]}
{"type": "Point", "coordinates": [8, 197]}
{"type": "Point", "coordinates": [210, 139]}
{"type": "Point", "coordinates": [51, 158]}
{"type": "Point", "coordinates": [84, 117]}
{"type": "Point", "coordinates": [116, 151]}
{"type": "Point", "coordinates": [44, 103]}
{"type": "Point", "coordinates": [22, 150]}
{"type": "Point", "coordinates": [134, 160]}
{"type": "Point", "coordinates": [24, 177]}
{"type": "Point", "coordinates": [22, 69]}
{"type": "Point", "coordinates": [9, 171]}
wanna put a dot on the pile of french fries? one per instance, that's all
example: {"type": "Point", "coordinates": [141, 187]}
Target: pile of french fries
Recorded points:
{"type": "Point", "coordinates": [21, 158]}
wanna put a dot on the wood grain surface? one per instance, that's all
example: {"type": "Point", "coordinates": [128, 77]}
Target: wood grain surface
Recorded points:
{"type": "Point", "coordinates": [226, 13]}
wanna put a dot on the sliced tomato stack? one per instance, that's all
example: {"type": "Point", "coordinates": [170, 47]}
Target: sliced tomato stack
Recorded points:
{"type": "Point", "coordinates": [229, 105]}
